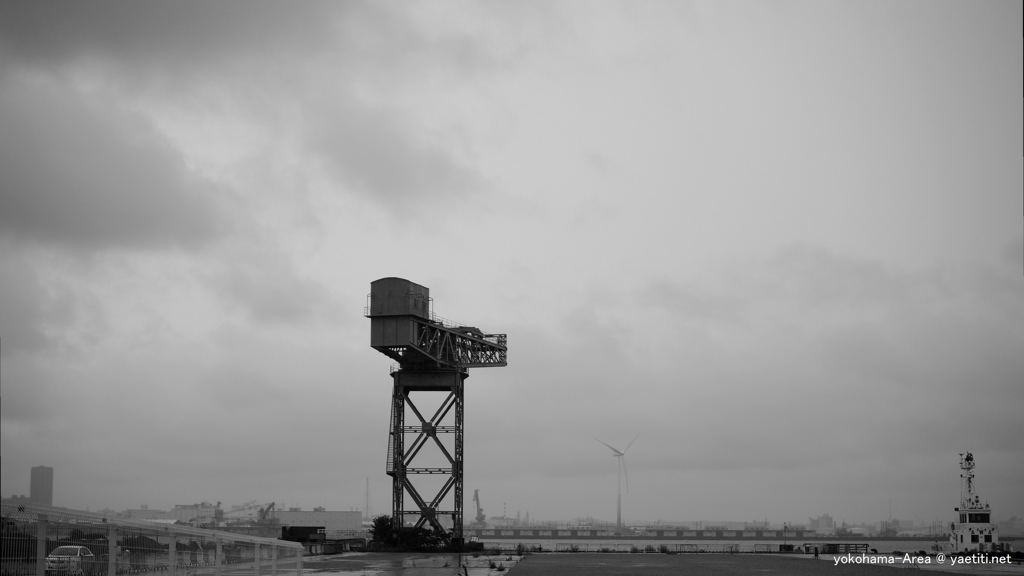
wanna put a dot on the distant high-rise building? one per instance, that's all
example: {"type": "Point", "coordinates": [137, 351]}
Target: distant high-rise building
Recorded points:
{"type": "Point", "coordinates": [41, 488]}
{"type": "Point", "coordinates": [822, 524]}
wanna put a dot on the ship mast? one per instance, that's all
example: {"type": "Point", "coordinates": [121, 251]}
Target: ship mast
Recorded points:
{"type": "Point", "coordinates": [968, 498]}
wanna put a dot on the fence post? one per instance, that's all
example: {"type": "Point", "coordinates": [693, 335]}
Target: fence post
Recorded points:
{"type": "Point", "coordinates": [172, 555]}
{"type": "Point", "coordinates": [217, 559]}
{"type": "Point", "coordinates": [257, 560]}
{"type": "Point", "coordinates": [41, 546]}
{"type": "Point", "coordinates": [112, 550]}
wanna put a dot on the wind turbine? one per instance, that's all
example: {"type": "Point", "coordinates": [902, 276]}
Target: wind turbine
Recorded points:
{"type": "Point", "coordinates": [621, 455]}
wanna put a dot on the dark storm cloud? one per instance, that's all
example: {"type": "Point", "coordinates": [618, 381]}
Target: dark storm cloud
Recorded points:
{"type": "Point", "coordinates": [174, 39]}
{"type": "Point", "coordinates": [80, 171]}
{"type": "Point", "coordinates": [159, 38]}
{"type": "Point", "coordinates": [318, 53]}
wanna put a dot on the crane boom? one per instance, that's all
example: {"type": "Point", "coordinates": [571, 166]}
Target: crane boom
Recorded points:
{"type": "Point", "coordinates": [480, 518]}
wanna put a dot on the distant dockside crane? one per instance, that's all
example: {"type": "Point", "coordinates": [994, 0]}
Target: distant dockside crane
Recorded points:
{"type": "Point", "coordinates": [263, 515]}
{"type": "Point", "coordinates": [481, 519]}
{"type": "Point", "coordinates": [433, 355]}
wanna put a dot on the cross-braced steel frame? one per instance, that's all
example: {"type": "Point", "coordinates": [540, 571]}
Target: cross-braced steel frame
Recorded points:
{"type": "Point", "coordinates": [407, 440]}
{"type": "Point", "coordinates": [433, 355]}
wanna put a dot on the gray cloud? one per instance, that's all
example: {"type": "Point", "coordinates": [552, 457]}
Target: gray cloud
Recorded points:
{"type": "Point", "coordinates": [21, 307]}
{"type": "Point", "coordinates": [266, 285]}
{"type": "Point", "coordinates": [156, 42]}
{"type": "Point", "coordinates": [377, 153]}
{"type": "Point", "coordinates": [808, 339]}
{"type": "Point", "coordinates": [373, 150]}
{"type": "Point", "coordinates": [78, 171]}
{"type": "Point", "coordinates": [689, 302]}
{"type": "Point", "coordinates": [803, 290]}
{"type": "Point", "coordinates": [187, 41]}
{"type": "Point", "coordinates": [1012, 254]}
{"type": "Point", "coordinates": [38, 312]}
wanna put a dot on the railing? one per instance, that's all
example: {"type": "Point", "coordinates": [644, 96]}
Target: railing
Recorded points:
{"type": "Point", "coordinates": [112, 545]}
{"type": "Point", "coordinates": [432, 317]}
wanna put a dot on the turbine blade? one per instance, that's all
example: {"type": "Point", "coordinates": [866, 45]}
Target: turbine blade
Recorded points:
{"type": "Point", "coordinates": [630, 443]}
{"type": "Point", "coordinates": [608, 445]}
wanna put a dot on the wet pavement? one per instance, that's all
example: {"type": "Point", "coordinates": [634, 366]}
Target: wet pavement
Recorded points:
{"type": "Point", "coordinates": [409, 564]}
{"type": "Point", "coordinates": [593, 564]}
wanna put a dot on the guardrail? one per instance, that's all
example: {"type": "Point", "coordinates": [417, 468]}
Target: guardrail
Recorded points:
{"type": "Point", "coordinates": [112, 545]}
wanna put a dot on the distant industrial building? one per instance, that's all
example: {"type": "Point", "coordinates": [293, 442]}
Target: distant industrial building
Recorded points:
{"type": "Point", "coordinates": [204, 513]}
{"type": "Point", "coordinates": [41, 487]}
{"type": "Point", "coordinates": [145, 513]}
{"type": "Point", "coordinates": [253, 518]}
{"type": "Point", "coordinates": [823, 525]}
{"type": "Point", "coordinates": [314, 521]}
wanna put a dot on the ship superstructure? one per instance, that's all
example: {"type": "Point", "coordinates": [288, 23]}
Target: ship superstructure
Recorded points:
{"type": "Point", "coordinates": [974, 531]}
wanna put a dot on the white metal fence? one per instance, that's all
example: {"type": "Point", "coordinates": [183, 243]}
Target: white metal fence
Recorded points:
{"type": "Point", "coordinates": [32, 533]}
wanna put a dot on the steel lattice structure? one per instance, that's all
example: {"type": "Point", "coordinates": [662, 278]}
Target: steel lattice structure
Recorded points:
{"type": "Point", "coordinates": [433, 356]}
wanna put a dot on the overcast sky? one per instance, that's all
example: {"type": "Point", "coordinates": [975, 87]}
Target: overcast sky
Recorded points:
{"type": "Point", "coordinates": [781, 241]}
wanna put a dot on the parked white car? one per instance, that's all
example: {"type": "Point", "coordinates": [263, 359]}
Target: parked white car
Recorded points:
{"type": "Point", "coordinates": [71, 561]}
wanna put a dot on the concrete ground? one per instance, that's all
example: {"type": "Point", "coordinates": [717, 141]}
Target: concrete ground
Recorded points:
{"type": "Point", "coordinates": [587, 564]}
{"type": "Point", "coordinates": [723, 564]}
{"type": "Point", "coordinates": [408, 564]}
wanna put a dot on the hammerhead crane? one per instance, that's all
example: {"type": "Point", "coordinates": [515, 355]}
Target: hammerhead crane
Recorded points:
{"type": "Point", "coordinates": [432, 355]}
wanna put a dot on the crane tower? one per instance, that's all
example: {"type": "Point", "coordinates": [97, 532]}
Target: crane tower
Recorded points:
{"type": "Point", "coordinates": [432, 355]}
